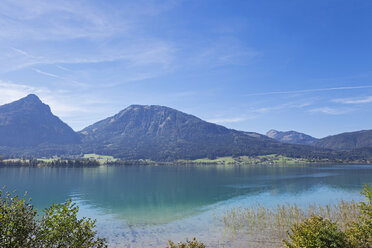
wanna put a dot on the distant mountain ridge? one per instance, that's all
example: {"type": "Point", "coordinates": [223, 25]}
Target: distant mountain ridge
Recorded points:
{"type": "Point", "coordinates": [347, 141]}
{"type": "Point", "coordinates": [162, 133]}
{"type": "Point", "coordinates": [28, 128]}
{"type": "Point", "coordinates": [291, 137]}
{"type": "Point", "coordinates": [29, 122]}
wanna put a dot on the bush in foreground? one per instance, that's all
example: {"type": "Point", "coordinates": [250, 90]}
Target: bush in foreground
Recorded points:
{"type": "Point", "coordinates": [188, 244]}
{"type": "Point", "coordinates": [59, 227]}
{"type": "Point", "coordinates": [316, 232]}
{"type": "Point", "coordinates": [360, 232]}
{"type": "Point", "coordinates": [266, 227]}
{"type": "Point", "coordinates": [18, 227]}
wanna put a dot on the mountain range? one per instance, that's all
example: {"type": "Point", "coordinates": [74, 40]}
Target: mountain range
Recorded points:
{"type": "Point", "coordinates": [341, 142]}
{"type": "Point", "coordinates": [159, 133]}
{"type": "Point", "coordinates": [291, 137]}
{"type": "Point", "coordinates": [29, 128]}
{"type": "Point", "coordinates": [347, 141]}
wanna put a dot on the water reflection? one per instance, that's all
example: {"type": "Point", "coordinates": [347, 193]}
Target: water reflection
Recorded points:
{"type": "Point", "coordinates": [161, 194]}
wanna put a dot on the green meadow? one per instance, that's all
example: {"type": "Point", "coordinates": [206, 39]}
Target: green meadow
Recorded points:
{"type": "Point", "coordinates": [102, 159]}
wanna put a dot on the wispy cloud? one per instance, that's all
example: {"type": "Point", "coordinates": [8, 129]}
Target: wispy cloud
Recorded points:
{"type": "Point", "coordinates": [21, 52]}
{"type": "Point", "coordinates": [311, 90]}
{"type": "Point", "coordinates": [46, 73]}
{"type": "Point", "coordinates": [62, 103]}
{"type": "Point", "coordinates": [353, 100]}
{"type": "Point", "coordinates": [256, 112]}
{"type": "Point", "coordinates": [331, 111]}
{"type": "Point", "coordinates": [229, 120]}
{"type": "Point", "coordinates": [69, 20]}
{"type": "Point", "coordinates": [47, 26]}
{"type": "Point", "coordinates": [138, 55]}
{"type": "Point", "coordinates": [222, 51]}
{"type": "Point", "coordinates": [62, 68]}
{"type": "Point", "coordinates": [11, 91]}
{"type": "Point", "coordinates": [70, 81]}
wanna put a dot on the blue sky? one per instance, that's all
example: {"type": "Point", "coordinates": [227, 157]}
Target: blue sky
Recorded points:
{"type": "Point", "coordinates": [249, 65]}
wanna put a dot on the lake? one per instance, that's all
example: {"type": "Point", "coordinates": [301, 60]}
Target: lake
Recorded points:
{"type": "Point", "coordinates": [144, 206]}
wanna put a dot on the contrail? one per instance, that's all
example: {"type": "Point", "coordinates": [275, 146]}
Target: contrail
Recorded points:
{"type": "Point", "coordinates": [310, 90]}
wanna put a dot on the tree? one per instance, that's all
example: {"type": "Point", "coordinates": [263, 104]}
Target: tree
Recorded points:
{"type": "Point", "coordinates": [59, 227]}
{"type": "Point", "coordinates": [18, 227]}
{"type": "Point", "coordinates": [188, 244]}
{"type": "Point", "coordinates": [316, 232]}
{"type": "Point", "coordinates": [360, 233]}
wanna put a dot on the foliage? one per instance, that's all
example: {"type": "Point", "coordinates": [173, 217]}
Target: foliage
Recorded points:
{"type": "Point", "coordinates": [269, 226]}
{"type": "Point", "coordinates": [346, 224]}
{"type": "Point", "coordinates": [49, 163]}
{"type": "Point", "coordinates": [316, 232]}
{"type": "Point", "coordinates": [360, 232]}
{"type": "Point", "coordinates": [59, 227]}
{"type": "Point", "coordinates": [188, 244]}
{"type": "Point", "coordinates": [17, 221]}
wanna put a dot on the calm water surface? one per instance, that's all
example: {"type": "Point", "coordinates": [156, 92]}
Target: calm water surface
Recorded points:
{"type": "Point", "coordinates": [144, 206]}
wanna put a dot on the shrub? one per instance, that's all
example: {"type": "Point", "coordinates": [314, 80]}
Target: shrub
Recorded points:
{"type": "Point", "coordinates": [59, 227]}
{"type": "Point", "coordinates": [188, 244]}
{"type": "Point", "coordinates": [360, 232]}
{"type": "Point", "coordinates": [316, 232]}
{"type": "Point", "coordinates": [17, 221]}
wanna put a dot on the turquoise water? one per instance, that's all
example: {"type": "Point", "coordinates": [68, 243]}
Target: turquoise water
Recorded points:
{"type": "Point", "coordinates": [144, 206]}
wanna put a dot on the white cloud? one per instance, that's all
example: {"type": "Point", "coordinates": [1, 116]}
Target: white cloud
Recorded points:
{"type": "Point", "coordinates": [69, 81]}
{"type": "Point", "coordinates": [256, 112]}
{"type": "Point", "coordinates": [66, 20]}
{"type": "Point", "coordinates": [137, 55]}
{"type": "Point", "coordinates": [222, 51]}
{"type": "Point", "coordinates": [353, 100]}
{"type": "Point", "coordinates": [46, 73]}
{"type": "Point", "coordinates": [229, 120]}
{"type": "Point", "coordinates": [11, 92]}
{"type": "Point", "coordinates": [63, 104]}
{"type": "Point", "coordinates": [311, 90]}
{"type": "Point", "coordinates": [52, 28]}
{"type": "Point", "coordinates": [63, 68]}
{"type": "Point", "coordinates": [331, 111]}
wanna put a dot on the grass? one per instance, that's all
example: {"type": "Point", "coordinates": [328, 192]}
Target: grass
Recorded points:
{"type": "Point", "coordinates": [266, 159]}
{"type": "Point", "coordinates": [48, 160]}
{"type": "Point", "coordinates": [102, 159]}
{"type": "Point", "coordinates": [221, 160]}
{"type": "Point", "coordinates": [267, 227]}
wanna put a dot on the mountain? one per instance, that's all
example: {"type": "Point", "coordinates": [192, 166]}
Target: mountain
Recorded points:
{"type": "Point", "coordinates": [347, 141]}
{"type": "Point", "coordinates": [29, 129]}
{"type": "Point", "coordinates": [28, 123]}
{"type": "Point", "coordinates": [291, 137]}
{"type": "Point", "coordinates": [162, 133]}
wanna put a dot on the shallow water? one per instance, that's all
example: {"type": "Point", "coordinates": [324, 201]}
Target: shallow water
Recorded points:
{"type": "Point", "coordinates": [144, 206]}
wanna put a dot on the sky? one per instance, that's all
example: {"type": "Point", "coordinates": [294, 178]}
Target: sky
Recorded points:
{"type": "Point", "coordinates": [249, 65]}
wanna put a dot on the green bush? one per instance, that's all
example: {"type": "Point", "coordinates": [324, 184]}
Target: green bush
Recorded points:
{"type": "Point", "coordinates": [17, 221]}
{"type": "Point", "coordinates": [188, 244]}
{"type": "Point", "coordinates": [360, 233]}
{"type": "Point", "coordinates": [59, 227]}
{"type": "Point", "coordinates": [316, 232]}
